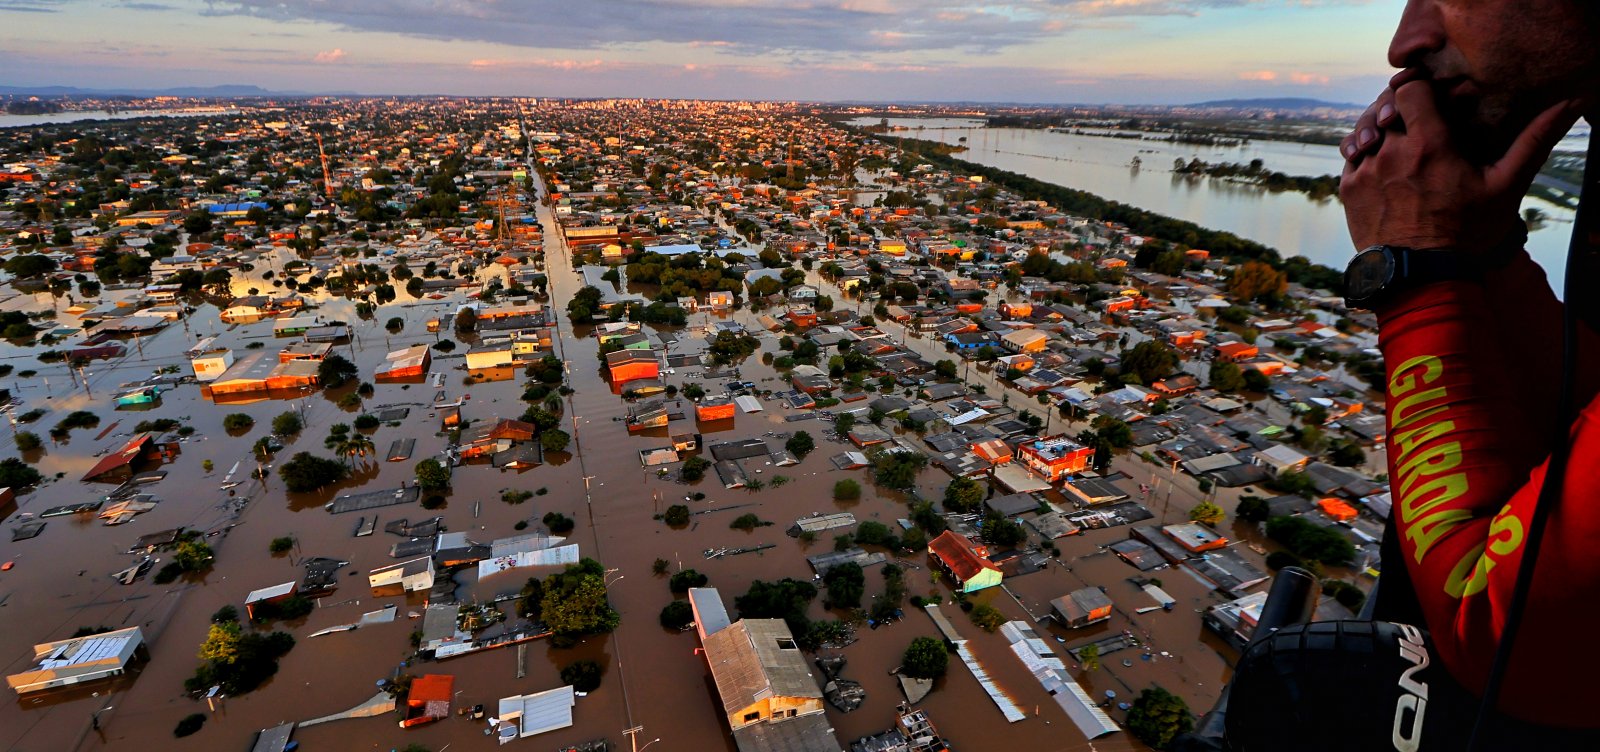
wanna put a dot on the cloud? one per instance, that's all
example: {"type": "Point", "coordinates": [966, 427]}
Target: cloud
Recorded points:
{"type": "Point", "coordinates": [541, 63]}
{"type": "Point", "coordinates": [1298, 78]}
{"type": "Point", "coordinates": [329, 56]}
{"type": "Point", "coordinates": [817, 27]}
{"type": "Point", "coordinates": [30, 6]}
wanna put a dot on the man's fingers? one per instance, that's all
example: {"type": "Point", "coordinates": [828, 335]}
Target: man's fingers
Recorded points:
{"type": "Point", "coordinates": [1516, 170]}
{"type": "Point", "coordinates": [1367, 136]}
{"type": "Point", "coordinates": [1414, 103]}
{"type": "Point", "coordinates": [1386, 113]}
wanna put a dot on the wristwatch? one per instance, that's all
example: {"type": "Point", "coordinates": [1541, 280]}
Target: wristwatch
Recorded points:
{"type": "Point", "coordinates": [1379, 272]}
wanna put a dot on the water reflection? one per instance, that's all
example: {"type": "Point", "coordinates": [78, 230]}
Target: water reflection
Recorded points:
{"type": "Point", "coordinates": [1292, 222]}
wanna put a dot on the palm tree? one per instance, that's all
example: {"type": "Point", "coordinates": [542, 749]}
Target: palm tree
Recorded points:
{"type": "Point", "coordinates": [339, 445]}
{"type": "Point", "coordinates": [1090, 657]}
{"type": "Point", "coordinates": [358, 445]}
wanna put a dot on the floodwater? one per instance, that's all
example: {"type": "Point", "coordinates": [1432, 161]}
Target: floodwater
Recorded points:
{"type": "Point", "coordinates": [1291, 222]}
{"type": "Point", "coordinates": [653, 679]}
{"type": "Point", "coordinates": [79, 116]}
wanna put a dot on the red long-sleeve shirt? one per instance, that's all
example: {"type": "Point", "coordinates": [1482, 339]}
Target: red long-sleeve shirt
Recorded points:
{"type": "Point", "coordinates": [1474, 372]}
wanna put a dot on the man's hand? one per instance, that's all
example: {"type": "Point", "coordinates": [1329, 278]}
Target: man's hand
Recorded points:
{"type": "Point", "coordinates": [1367, 136]}
{"type": "Point", "coordinates": [1418, 191]}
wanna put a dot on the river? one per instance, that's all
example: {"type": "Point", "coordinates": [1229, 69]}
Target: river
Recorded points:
{"type": "Point", "coordinates": [77, 116]}
{"type": "Point", "coordinates": [1291, 222]}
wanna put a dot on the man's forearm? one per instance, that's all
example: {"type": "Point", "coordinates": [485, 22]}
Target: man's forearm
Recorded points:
{"type": "Point", "coordinates": [1463, 478]}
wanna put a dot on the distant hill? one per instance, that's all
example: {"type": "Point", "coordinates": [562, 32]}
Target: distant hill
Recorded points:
{"type": "Point", "coordinates": [1279, 103]}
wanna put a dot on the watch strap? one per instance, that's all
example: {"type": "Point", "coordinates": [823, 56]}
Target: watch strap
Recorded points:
{"type": "Point", "coordinates": [1414, 267]}
{"type": "Point", "coordinates": [1423, 266]}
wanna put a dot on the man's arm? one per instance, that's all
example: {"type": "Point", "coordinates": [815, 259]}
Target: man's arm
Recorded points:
{"type": "Point", "coordinates": [1470, 425]}
{"type": "Point", "coordinates": [1465, 483]}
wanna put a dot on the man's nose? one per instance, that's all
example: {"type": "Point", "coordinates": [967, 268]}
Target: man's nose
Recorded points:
{"type": "Point", "coordinates": [1421, 32]}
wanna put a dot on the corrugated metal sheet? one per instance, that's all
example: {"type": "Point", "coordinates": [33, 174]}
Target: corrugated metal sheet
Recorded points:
{"type": "Point", "coordinates": [710, 615]}
{"type": "Point", "coordinates": [520, 543]}
{"type": "Point", "coordinates": [1008, 708]}
{"type": "Point", "coordinates": [558, 556]}
{"type": "Point", "coordinates": [1041, 661]}
{"type": "Point", "coordinates": [539, 712]}
{"type": "Point", "coordinates": [748, 403]}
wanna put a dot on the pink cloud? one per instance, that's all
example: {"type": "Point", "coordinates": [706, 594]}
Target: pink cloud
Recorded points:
{"type": "Point", "coordinates": [1261, 75]}
{"type": "Point", "coordinates": [329, 56]}
{"type": "Point", "coordinates": [566, 65]}
{"type": "Point", "coordinates": [1308, 79]}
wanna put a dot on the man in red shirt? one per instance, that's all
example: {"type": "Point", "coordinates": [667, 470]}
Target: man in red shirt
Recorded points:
{"type": "Point", "coordinates": [1471, 332]}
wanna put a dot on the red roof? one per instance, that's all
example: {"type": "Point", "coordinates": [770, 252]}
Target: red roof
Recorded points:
{"type": "Point", "coordinates": [120, 458]}
{"type": "Point", "coordinates": [955, 550]}
{"type": "Point", "coordinates": [432, 688]}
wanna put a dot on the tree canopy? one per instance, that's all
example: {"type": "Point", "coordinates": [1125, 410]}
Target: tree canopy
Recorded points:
{"type": "Point", "coordinates": [335, 370]}
{"type": "Point", "coordinates": [28, 266]}
{"type": "Point", "coordinates": [305, 472]}
{"type": "Point", "coordinates": [898, 469]}
{"type": "Point", "coordinates": [1207, 513]}
{"type": "Point", "coordinates": [963, 495]}
{"type": "Point", "coordinates": [1149, 361]}
{"type": "Point", "coordinates": [845, 584]}
{"type": "Point", "coordinates": [1226, 376]}
{"type": "Point", "coordinates": [1159, 716]}
{"type": "Point", "coordinates": [925, 658]}
{"type": "Point", "coordinates": [800, 444]}
{"type": "Point", "coordinates": [785, 599]}
{"type": "Point", "coordinates": [575, 602]}
{"type": "Point", "coordinates": [1256, 281]}
{"type": "Point", "coordinates": [1310, 541]}
{"type": "Point", "coordinates": [431, 475]}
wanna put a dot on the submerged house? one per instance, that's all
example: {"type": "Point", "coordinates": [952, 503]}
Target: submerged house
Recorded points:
{"type": "Point", "coordinates": [409, 363]}
{"type": "Point", "coordinates": [78, 660]}
{"type": "Point", "coordinates": [404, 577]}
{"type": "Point", "coordinates": [771, 701]}
{"type": "Point", "coordinates": [123, 463]}
{"type": "Point", "coordinates": [966, 562]}
{"type": "Point", "coordinates": [429, 699]}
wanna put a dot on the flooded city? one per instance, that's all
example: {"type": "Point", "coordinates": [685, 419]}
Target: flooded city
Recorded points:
{"type": "Point", "coordinates": [559, 354]}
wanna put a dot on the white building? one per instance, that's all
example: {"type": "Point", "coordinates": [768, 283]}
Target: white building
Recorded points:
{"type": "Point", "coordinates": [210, 363]}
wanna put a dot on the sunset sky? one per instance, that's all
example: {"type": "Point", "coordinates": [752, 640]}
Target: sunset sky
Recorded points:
{"type": "Point", "coordinates": [1047, 51]}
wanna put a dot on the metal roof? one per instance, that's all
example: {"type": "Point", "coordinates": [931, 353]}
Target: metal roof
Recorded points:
{"type": "Point", "coordinates": [710, 615]}
{"type": "Point", "coordinates": [275, 739]}
{"type": "Point", "coordinates": [267, 593]}
{"type": "Point", "coordinates": [539, 712]}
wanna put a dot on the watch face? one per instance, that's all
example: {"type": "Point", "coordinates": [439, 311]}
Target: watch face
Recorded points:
{"type": "Point", "coordinates": [1368, 273]}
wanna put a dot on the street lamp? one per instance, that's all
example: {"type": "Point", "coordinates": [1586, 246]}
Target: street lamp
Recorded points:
{"type": "Point", "coordinates": [647, 746]}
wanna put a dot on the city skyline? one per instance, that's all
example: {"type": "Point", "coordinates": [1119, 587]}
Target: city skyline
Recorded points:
{"type": "Point", "coordinates": [1036, 51]}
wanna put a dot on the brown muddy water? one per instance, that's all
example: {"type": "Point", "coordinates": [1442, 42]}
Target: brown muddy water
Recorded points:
{"type": "Point", "coordinates": [654, 678]}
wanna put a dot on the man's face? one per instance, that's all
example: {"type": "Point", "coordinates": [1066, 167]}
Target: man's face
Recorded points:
{"type": "Point", "coordinates": [1497, 64]}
